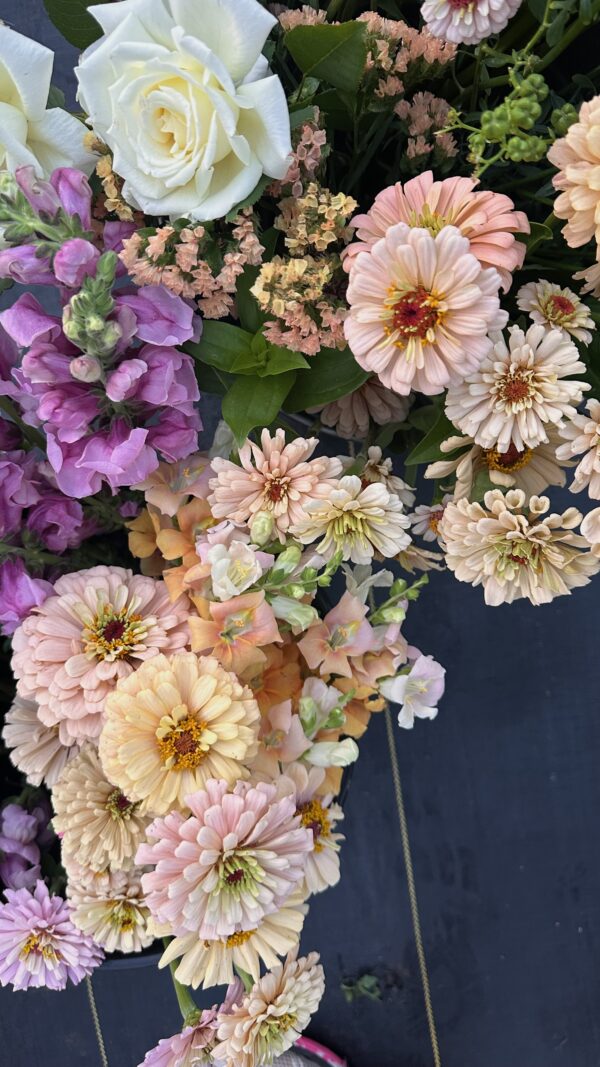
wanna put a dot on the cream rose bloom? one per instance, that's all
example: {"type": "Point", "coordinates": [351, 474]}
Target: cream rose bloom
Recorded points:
{"type": "Point", "coordinates": [181, 93]}
{"type": "Point", "coordinates": [30, 133]}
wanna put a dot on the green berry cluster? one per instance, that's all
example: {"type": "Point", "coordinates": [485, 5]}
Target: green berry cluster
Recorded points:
{"type": "Point", "coordinates": [508, 125]}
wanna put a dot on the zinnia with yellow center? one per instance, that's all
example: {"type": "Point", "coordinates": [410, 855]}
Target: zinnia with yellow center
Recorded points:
{"type": "Point", "coordinates": [172, 725]}
{"type": "Point", "coordinates": [421, 307]}
{"type": "Point", "coordinates": [99, 826]}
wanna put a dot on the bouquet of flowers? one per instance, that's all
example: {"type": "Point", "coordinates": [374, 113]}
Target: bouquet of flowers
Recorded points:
{"type": "Point", "coordinates": [345, 228]}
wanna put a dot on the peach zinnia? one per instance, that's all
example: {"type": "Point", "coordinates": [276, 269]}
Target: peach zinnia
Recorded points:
{"type": "Point", "coordinates": [577, 157]}
{"type": "Point", "coordinates": [275, 478]}
{"type": "Point", "coordinates": [172, 725]}
{"type": "Point", "coordinates": [96, 628]}
{"type": "Point", "coordinates": [421, 308]}
{"type": "Point", "coordinates": [488, 219]}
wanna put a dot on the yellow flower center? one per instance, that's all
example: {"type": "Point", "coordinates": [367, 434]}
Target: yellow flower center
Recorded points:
{"type": "Point", "coordinates": [559, 309]}
{"type": "Point", "coordinates": [411, 315]}
{"type": "Point", "coordinates": [429, 220]}
{"type": "Point", "coordinates": [179, 739]}
{"type": "Point", "coordinates": [314, 817]}
{"type": "Point", "coordinates": [509, 461]}
{"type": "Point", "coordinates": [275, 1025]}
{"type": "Point", "coordinates": [119, 806]}
{"type": "Point", "coordinates": [39, 945]}
{"type": "Point", "coordinates": [516, 389]}
{"type": "Point", "coordinates": [238, 939]}
{"type": "Point", "coordinates": [114, 634]}
{"type": "Point", "coordinates": [123, 915]}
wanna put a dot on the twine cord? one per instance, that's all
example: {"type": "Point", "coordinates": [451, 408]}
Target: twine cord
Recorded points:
{"type": "Point", "coordinates": [412, 890]}
{"type": "Point", "coordinates": [96, 1020]}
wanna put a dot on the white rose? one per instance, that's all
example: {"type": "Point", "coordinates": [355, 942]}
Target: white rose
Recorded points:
{"type": "Point", "coordinates": [181, 93]}
{"type": "Point", "coordinates": [30, 133]}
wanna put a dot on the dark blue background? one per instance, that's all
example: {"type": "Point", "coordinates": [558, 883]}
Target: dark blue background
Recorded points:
{"type": "Point", "coordinates": [503, 796]}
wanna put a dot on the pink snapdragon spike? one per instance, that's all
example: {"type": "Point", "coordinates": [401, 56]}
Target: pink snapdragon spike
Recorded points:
{"type": "Point", "coordinates": [39, 945]}
{"type": "Point", "coordinates": [75, 261]}
{"type": "Point", "coordinates": [343, 634]}
{"type": "Point", "coordinates": [162, 318]}
{"type": "Point", "coordinates": [23, 265]}
{"type": "Point", "coordinates": [19, 593]}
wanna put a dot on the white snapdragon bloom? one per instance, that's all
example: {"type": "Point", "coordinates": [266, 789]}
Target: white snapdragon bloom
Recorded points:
{"type": "Point", "coordinates": [418, 691]}
{"type": "Point", "coordinates": [235, 567]}
{"type": "Point", "coordinates": [30, 133]}
{"type": "Point", "coordinates": [181, 93]}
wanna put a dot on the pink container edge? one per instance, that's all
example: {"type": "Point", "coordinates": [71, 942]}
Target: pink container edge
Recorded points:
{"type": "Point", "coordinates": [326, 1054]}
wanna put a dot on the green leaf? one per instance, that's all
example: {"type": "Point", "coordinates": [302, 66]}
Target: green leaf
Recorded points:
{"type": "Point", "coordinates": [250, 315]}
{"type": "Point", "coordinates": [334, 54]}
{"type": "Point", "coordinates": [537, 8]}
{"type": "Point", "coordinates": [428, 450]}
{"type": "Point", "coordinates": [56, 97]}
{"type": "Point", "coordinates": [251, 199]}
{"type": "Point", "coordinates": [280, 360]}
{"type": "Point", "coordinates": [220, 345]}
{"type": "Point", "coordinates": [73, 20]}
{"type": "Point", "coordinates": [331, 374]}
{"type": "Point", "coordinates": [539, 233]}
{"type": "Point", "coordinates": [255, 402]}
{"type": "Point", "coordinates": [212, 381]}
{"type": "Point", "coordinates": [299, 117]}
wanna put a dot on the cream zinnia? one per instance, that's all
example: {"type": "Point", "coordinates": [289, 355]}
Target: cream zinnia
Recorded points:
{"type": "Point", "coordinates": [488, 219]}
{"type": "Point", "coordinates": [276, 478]}
{"type": "Point", "coordinates": [556, 307]}
{"type": "Point", "coordinates": [319, 814]}
{"type": "Point", "coordinates": [356, 522]}
{"type": "Point", "coordinates": [531, 469]}
{"type": "Point", "coordinates": [272, 1015]}
{"type": "Point", "coordinates": [70, 652]}
{"type": "Point", "coordinates": [577, 157]}
{"type": "Point", "coordinates": [351, 415]}
{"type": "Point", "coordinates": [519, 391]}
{"type": "Point", "coordinates": [112, 911]}
{"type": "Point", "coordinates": [173, 724]}
{"type": "Point", "coordinates": [237, 858]}
{"type": "Point", "coordinates": [516, 553]}
{"type": "Point", "coordinates": [99, 826]}
{"type": "Point", "coordinates": [34, 749]}
{"type": "Point", "coordinates": [582, 435]}
{"type": "Point", "coordinates": [210, 963]}
{"type": "Point", "coordinates": [421, 307]}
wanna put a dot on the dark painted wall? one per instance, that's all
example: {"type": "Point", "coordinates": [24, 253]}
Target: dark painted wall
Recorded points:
{"type": "Point", "coordinates": [503, 795]}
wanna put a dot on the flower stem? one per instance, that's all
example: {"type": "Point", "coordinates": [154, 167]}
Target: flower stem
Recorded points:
{"type": "Point", "coordinates": [187, 1004]}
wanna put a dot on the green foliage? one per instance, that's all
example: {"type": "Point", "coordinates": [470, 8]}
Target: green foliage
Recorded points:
{"type": "Point", "coordinates": [236, 351]}
{"type": "Point", "coordinates": [255, 402]}
{"type": "Point", "coordinates": [333, 54]}
{"type": "Point", "coordinates": [428, 450]}
{"type": "Point", "coordinates": [331, 374]}
{"type": "Point", "coordinates": [74, 21]}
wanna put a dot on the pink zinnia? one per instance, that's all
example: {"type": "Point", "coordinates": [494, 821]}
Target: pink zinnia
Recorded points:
{"type": "Point", "coordinates": [275, 478]}
{"type": "Point", "coordinates": [488, 219]}
{"type": "Point", "coordinates": [237, 858]}
{"type": "Point", "coordinates": [39, 945]}
{"type": "Point", "coordinates": [191, 1048]}
{"type": "Point", "coordinates": [97, 627]}
{"type": "Point", "coordinates": [421, 308]}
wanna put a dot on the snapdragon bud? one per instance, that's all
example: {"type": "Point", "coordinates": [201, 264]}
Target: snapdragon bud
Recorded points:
{"type": "Point", "coordinates": [261, 528]}
{"type": "Point", "coordinates": [86, 369]}
{"type": "Point", "coordinates": [300, 616]}
{"type": "Point", "coordinates": [332, 753]}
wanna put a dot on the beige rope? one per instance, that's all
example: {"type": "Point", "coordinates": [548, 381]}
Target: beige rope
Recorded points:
{"type": "Point", "coordinates": [412, 891]}
{"type": "Point", "coordinates": [96, 1019]}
